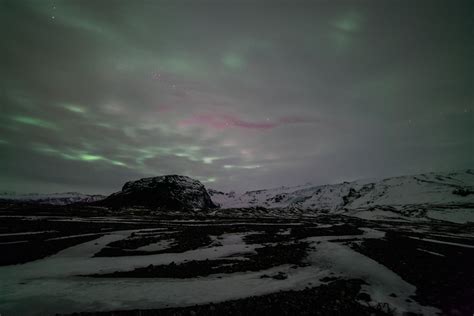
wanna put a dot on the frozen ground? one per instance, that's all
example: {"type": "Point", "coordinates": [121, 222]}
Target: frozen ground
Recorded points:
{"type": "Point", "coordinates": [120, 264]}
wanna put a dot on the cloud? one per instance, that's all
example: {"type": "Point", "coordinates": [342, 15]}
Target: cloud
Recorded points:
{"type": "Point", "coordinates": [108, 92]}
{"type": "Point", "coordinates": [223, 121]}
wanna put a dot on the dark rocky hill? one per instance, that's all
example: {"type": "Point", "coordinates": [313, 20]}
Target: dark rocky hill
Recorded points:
{"type": "Point", "coordinates": [170, 192]}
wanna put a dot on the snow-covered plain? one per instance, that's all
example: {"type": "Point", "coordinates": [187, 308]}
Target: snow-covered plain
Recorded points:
{"type": "Point", "coordinates": [381, 281]}
{"type": "Point", "coordinates": [56, 284]}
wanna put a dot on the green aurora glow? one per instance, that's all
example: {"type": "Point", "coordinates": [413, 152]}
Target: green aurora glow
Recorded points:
{"type": "Point", "coordinates": [236, 95]}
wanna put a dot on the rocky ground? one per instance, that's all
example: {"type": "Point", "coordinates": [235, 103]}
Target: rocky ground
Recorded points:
{"type": "Point", "coordinates": [139, 265]}
{"type": "Point", "coordinates": [340, 297]}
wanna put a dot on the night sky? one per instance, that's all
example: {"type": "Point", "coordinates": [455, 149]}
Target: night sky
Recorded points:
{"type": "Point", "coordinates": [238, 94]}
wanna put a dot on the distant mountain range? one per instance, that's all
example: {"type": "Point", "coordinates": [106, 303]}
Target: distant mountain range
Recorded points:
{"type": "Point", "coordinates": [422, 195]}
{"type": "Point", "coordinates": [52, 198]}
{"type": "Point", "coordinates": [442, 195]}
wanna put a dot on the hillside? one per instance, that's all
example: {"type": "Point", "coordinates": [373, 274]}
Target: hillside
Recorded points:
{"type": "Point", "coordinates": [430, 194]}
{"type": "Point", "coordinates": [169, 192]}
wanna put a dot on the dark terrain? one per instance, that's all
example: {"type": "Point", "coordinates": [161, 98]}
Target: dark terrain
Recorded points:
{"type": "Point", "coordinates": [336, 298]}
{"type": "Point", "coordinates": [441, 268]}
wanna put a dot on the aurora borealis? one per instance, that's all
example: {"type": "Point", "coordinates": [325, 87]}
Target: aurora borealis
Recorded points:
{"type": "Point", "coordinates": [238, 94]}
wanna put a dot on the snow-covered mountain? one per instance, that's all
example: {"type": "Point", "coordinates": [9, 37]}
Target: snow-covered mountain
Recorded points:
{"type": "Point", "coordinates": [405, 195]}
{"type": "Point", "coordinates": [52, 199]}
{"type": "Point", "coordinates": [442, 196]}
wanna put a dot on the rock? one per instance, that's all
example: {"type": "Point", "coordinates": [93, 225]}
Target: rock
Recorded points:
{"type": "Point", "coordinates": [280, 276]}
{"type": "Point", "coordinates": [364, 297]}
{"type": "Point", "coordinates": [170, 192]}
{"type": "Point", "coordinates": [329, 279]}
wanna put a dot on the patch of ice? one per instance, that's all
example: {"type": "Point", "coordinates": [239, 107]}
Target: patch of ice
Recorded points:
{"type": "Point", "coordinates": [157, 246]}
{"type": "Point", "coordinates": [431, 252]}
{"type": "Point", "coordinates": [13, 242]}
{"type": "Point", "coordinates": [22, 289]}
{"type": "Point", "coordinates": [460, 216]}
{"type": "Point", "coordinates": [74, 236]}
{"type": "Point", "coordinates": [85, 294]}
{"type": "Point", "coordinates": [285, 232]}
{"type": "Point", "coordinates": [232, 239]}
{"type": "Point", "coordinates": [379, 214]}
{"type": "Point", "coordinates": [443, 242]}
{"type": "Point", "coordinates": [248, 224]}
{"type": "Point", "coordinates": [368, 233]}
{"type": "Point", "coordinates": [381, 281]}
{"type": "Point", "coordinates": [29, 233]}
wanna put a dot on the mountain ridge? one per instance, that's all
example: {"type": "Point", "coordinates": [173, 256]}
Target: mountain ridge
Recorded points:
{"type": "Point", "coordinates": [65, 198]}
{"type": "Point", "coordinates": [410, 195]}
{"type": "Point", "coordinates": [436, 195]}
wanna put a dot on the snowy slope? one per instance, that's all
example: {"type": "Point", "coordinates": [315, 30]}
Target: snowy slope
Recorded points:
{"type": "Point", "coordinates": [403, 194]}
{"type": "Point", "coordinates": [52, 199]}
